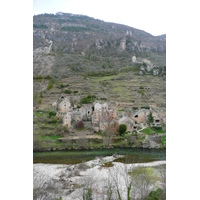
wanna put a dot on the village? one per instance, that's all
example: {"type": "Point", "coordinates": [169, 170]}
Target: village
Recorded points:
{"type": "Point", "coordinates": [107, 116]}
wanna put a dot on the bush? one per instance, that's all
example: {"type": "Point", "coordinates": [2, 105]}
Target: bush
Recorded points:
{"type": "Point", "coordinates": [80, 125]}
{"type": "Point", "coordinates": [39, 100]}
{"type": "Point", "coordinates": [122, 128]}
{"type": "Point", "coordinates": [150, 118]}
{"type": "Point", "coordinates": [50, 85]}
{"type": "Point", "coordinates": [164, 140]}
{"type": "Point", "coordinates": [88, 99]}
{"type": "Point", "coordinates": [67, 91]}
{"type": "Point", "coordinates": [52, 113]}
{"type": "Point", "coordinates": [156, 195]}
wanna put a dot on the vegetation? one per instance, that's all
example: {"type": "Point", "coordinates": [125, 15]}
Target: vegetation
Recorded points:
{"type": "Point", "coordinates": [88, 99]}
{"type": "Point", "coordinates": [40, 26]}
{"type": "Point", "coordinates": [122, 129]}
{"type": "Point", "coordinates": [103, 73]}
{"type": "Point", "coordinates": [34, 97]}
{"type": "Point", "coordinates": [159, 194]}
{"type": "Point", "coordinates": [52, 113]}
{"type": "Point", "coordinates": [67, 91]}
{"type": "Point", "coordinates": [150, 118]}
{"type": "Point", "coordinates": [39, 100]}
{"type": "Point", "coordinates": [75, 28]}
{"type": "Point", "coordinates": [151, 130]}
{"type": "Point", "coordinates": [144, 179]}
{"type": "Point", "coordinates": [42, 77]}
{"type": "Point", "coordinates": [50, 85]}
{"type": "Point", "coordinates": [164, 140]}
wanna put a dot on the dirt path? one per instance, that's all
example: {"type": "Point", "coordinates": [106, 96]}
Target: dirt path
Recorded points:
{"type": "Point", "coordinates": [82, 136]}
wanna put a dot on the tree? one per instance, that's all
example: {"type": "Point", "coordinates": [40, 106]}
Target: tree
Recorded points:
{"type": "Point", "coordinates": [111, 126]}
{"type": "Point", "coordinates": [150, 118]}
{"type": "Point", "coordinates": [122, 128]}
{"type": "Point", "coordinates": [144, 179]}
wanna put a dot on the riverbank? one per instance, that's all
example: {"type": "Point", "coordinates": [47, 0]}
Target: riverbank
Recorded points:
{"type": "Point", "coordinates": [58, 143]}
{"type": "Point", "coordinates": [67, 181]}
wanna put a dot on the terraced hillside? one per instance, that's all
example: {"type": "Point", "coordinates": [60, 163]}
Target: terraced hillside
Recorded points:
{"type": "Point", "coordinates": [78, 57]}
{"type": "Point", "coordinates": [124, 87]}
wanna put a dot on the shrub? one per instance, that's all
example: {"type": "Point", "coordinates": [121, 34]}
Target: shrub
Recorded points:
{"type": "Point", "coordinates": [150, 118]}
{"type": "Point", "coordinates": [88, 99]}
{"type": "Point", "coordinates": [80, 125]}
{"type": "Point", "coordinates": [39, 100]}
{"type": "Point", "coordinates": [61, 86]}
{"type": "Point", "coordinates": [50, 85]}
{"type": "Point", "coordinates": [122, 128]}
{"type": "Point", "coordinates": [156, 195]}
{"type": "Point", "coordinates": [164, 140]}
{"type": "Point", "coordinates": [67, 91]}
{"type": "Point", "coordinates": [52, 113]}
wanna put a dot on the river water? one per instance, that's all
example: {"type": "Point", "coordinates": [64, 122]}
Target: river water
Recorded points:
{"type": "Point", "coordinates": [78, 156]}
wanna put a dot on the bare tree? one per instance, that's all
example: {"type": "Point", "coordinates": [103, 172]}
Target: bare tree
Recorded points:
{"type": "Point", "coordinates": [111, 127]}
{"type": "Point", "coordinates": [144, 180]}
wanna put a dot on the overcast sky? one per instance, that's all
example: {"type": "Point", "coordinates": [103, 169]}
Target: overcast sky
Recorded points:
{"type": "Point", "coordinates": [146, 15]}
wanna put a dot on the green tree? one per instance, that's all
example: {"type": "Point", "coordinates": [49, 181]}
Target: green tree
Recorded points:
{"type": "Point", "coordinates": [150, 118]}
{"type": "Point", "coordinates": [122, 128]}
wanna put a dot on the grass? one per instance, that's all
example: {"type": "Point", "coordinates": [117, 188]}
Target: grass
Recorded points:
{"type": "Point", "coordinates": [40, 114]}
{"type": "Point", "coordinates": [164, 140]}
{"type": "Point", "coordinates": [51, 137]}
{"type": "Point", "coordinates": [149, 131]}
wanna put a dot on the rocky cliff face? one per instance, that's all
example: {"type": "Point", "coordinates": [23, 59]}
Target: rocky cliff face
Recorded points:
{"type": "Point", "coordinates": [67, 44]}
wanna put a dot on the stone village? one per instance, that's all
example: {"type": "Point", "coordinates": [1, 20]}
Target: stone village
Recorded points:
{"type": "Point", "coordinates": [107, 116]}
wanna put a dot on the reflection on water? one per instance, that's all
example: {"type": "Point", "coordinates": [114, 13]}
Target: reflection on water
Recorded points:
{"type": "Point", "coordinates": [78, 156]}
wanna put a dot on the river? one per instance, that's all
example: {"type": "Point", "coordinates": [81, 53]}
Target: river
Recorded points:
{"type": "Point", "coordinates": [78, 156]}
{"type": "Point", "coordinates": [63, 174]}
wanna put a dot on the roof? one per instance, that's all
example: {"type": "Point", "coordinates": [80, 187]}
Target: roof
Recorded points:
{"type": "Point", "coordinates": [121, 120]}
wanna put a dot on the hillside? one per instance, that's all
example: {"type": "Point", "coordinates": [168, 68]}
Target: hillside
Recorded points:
{"type": "Point", "coordinates": [79, 57]}
{"type": "Point", "coordinates": [66, 44]}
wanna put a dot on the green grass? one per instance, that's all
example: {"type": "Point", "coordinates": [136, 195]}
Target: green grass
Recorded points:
{"type": "Point", "coordinates": [149, 131]}
{"type": "Point", "coordinates": [164, 140]}
{"type": "Point", "coordinates": [51, 137]}
{"type": "Point", "coordinates": [40, 114]}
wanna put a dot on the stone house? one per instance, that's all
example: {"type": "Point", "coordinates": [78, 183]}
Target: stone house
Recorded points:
{"type": "Point", "coordinates": [128, 122]}
{"type": "Point", "coordinates": [112, 113]}
{"type": "Point", "coordinates": [141, 116]}
{"type": "Point", "coordinates": [64, 105]}
{"type": "Point", "coordinates": [159, 117]}
{"type": "Point", "coordinates": [103, 124]}
{"type": "Point", "coordinates": [96, 116]}
{"type": "Point", "coordinates": [67, 119]}
{"type": "Point", "coordinates": [60, 115]}
{"type": "Point", "coordinates": [77, 115]}
{"type": "Point", "coordinates": [87, 112]}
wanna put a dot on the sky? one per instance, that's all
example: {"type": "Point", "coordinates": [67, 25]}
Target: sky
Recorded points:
{"type": "Point", "coordinates": [146, 15]}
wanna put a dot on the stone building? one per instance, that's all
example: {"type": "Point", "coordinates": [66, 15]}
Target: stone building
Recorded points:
{"type": "Point", "coordinates": [128, 122]}
{"type": "Point", "coordinates": [141, 116]}
{"type": "Point", "coordinates": [67, 119]}
{"type": "Point", "coordinates": [64, 105]}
